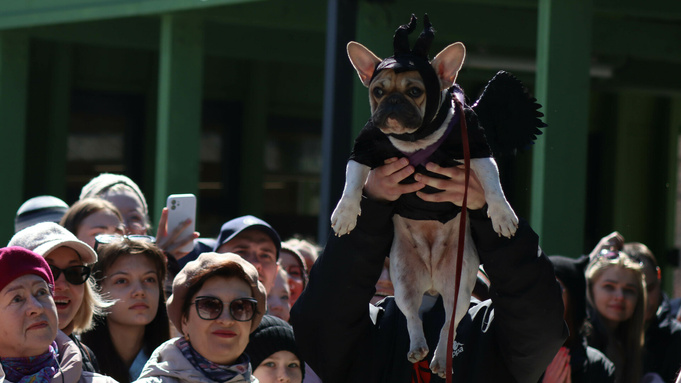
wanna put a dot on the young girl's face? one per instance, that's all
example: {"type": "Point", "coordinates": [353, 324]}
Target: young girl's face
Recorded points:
{"type": "Point", "coordinates": [615, 295]}
{"type": "Point", "coordinates": [282, 366]}
{"type": "Point", "coordinates": [133, 281]}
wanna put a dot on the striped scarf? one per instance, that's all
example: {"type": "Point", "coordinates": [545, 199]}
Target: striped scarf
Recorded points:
{"type": "Point", "coordinates": [32, 369]}
{"type": "Point", "coordinates": [214, 371]}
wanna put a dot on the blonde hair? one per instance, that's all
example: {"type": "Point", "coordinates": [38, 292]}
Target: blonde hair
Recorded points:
{"type": "Point", "coordinates": [630, 331]}
{"type": "Point", "coordinates": [93, 304]}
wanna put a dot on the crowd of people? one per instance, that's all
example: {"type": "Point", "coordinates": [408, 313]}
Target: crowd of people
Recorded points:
{"type": "Point", "coordinates": [91, 292]}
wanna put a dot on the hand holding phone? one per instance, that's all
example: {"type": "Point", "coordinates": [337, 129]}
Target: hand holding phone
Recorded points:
{"type": "Point", "coordinates": [180, 208]}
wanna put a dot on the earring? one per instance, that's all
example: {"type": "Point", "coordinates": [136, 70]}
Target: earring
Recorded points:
{"type": "Point", "coordinates": [186, 337]}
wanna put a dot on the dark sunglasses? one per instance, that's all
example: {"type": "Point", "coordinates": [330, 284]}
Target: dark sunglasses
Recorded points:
{"type": "Point", "coordinates": [210, 308]}
{"type": "Point", "coordinates": [104, 239]}
{"type": "Point", "coordinates": [75, 275]}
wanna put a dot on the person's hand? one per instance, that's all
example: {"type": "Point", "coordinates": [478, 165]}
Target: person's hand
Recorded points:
{"type": "Point", "coordinates": [383, 183]}
{"type": "Point", "coordinates": [170, 243]}
{"type": "Point", "coordinates": [613, 241]}
{"type": "Point", "coordinates": [453, 187]}
{"type": "Point", "coordinates": [559, 370]}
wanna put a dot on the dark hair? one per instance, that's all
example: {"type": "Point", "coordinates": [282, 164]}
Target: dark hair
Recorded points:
{"type": "Point", "coordinates": [155, 333]}
{"type": "Point", "coordinates": [229, 271]}
{"type": "Point", "coordinates": [82, 209]}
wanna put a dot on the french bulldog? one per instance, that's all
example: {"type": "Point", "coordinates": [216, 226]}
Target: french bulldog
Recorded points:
{"type": "Point", "coordinates": [417, 112]}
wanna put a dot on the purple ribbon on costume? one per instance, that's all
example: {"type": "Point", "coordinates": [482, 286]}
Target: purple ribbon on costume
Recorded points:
{"type": "Point", "coordinates": [422, 156]}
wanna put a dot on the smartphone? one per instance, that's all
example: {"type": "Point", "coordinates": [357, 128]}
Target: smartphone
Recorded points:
{"type": "Point", "coordinates": [180, 208]}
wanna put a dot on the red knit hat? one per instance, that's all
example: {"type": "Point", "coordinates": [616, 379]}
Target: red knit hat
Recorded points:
{"type": "Point", "coordinates": [16, 262]}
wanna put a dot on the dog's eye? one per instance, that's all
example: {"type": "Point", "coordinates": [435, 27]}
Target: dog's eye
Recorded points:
{"type": "Point", "coordinates": [415, 92]}
{"type": "Point", "coordinates": [378, 92]}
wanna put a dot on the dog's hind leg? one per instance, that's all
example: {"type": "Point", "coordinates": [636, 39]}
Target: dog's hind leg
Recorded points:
{"type": "Point", "coordinates": [411, 278]}
{"type": "Point", "coordinates": [444, 280]}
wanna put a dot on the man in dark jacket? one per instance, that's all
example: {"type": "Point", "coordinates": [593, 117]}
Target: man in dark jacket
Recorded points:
{"type": "Point", "coordinates": [510, 338]}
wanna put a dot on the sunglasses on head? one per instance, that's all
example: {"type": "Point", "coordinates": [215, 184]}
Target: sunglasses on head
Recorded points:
{"type": "Point", "coordinates": [210, 308]}
{"type": "Point", "coordinates": [75, 275]}
{"type": "Point", "coordinates": [614, 254]}
{"type": "Point", "coordinates": [104, 239]}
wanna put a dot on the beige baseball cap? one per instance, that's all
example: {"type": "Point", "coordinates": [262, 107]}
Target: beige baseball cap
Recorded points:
{"type": "Point", "coordinates": [44, 237]}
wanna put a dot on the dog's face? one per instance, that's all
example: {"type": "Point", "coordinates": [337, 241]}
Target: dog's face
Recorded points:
{"type": "Point", "coordinates": [398, 100]}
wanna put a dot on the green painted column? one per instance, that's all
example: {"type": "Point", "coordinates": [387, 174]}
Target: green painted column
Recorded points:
{"type": "Point", "coordinates": [560, 155]}
{"type": "Point", "coordinates": [180, 95]}
{"type": "Point", "coordinates": [635, 183]}
{"type": "Point", "coordinates": [14, 56]}
{"type": "Point", "coordinates": [59, 119]}
{"type": "Point", "coordinates": [672, 189]}
{"type": "Point", "coordinates": [253, 140]}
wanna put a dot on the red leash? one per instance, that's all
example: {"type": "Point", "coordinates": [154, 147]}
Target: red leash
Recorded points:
{"type": "Point", "coordinates": [462, 236]}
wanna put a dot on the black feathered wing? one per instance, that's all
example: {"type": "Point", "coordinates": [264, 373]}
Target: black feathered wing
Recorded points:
{"type": "Point", "coordinates": [509, 115]}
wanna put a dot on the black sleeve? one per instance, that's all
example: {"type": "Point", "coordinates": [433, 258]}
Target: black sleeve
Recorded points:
{"type": "Point", "coordinates": [331, 318]}
{"type": "Point", "coordinates": [527, 301]}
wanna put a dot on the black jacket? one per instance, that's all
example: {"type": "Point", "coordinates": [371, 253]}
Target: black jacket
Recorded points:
{"type": "Point", "coordinates": [511, 338]}
{"type": "Point", "coordinates": [662, 350]}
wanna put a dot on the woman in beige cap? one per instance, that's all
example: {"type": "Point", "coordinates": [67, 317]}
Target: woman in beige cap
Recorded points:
{"type": "Point", "coordinates": [217, 302]}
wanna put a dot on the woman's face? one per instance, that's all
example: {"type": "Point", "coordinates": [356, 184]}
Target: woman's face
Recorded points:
{"type": "Point", "coordinates": [224, 339]}
{"type": "Point", "coordinates": [99, 222]}
{"type": "Point", "coordinates": [67, 297]}
{"type": "Point", "coordinates": [29, 317]}
{"type": "Point", "coordinates": [615, 295]}
{"type": "Point", "coordinates": [296, 273]}
{"type": "Point", "coordinates": [282, 366]}
{"type": "Point", "coordinates": [131, 208]}
{"type": "Point", "coordinates": [279, 299]}
{"type": "Point", "coordinates": [133, 281]}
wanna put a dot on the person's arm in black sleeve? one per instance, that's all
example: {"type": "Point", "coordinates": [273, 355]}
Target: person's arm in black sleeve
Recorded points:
{"type": "Point", "coordinates": [527, 300]}
{"type": "Point", "coordinates": [331, 318]}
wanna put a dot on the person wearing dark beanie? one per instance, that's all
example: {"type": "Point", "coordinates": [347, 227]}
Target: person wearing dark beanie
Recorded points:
{"type": "Point", "coordinates": [582, 363]}
{"type": "Point", "coordinates": [273, 352]}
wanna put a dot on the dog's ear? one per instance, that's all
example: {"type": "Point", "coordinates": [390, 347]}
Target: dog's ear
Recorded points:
{"type": "Point", "coordinates": [363, 60]}
{"type": "Point", "coordinates": [447, 64]}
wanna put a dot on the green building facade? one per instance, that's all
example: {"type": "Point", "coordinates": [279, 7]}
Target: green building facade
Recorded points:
{"type": "Point", "coordinates": [253, 105]}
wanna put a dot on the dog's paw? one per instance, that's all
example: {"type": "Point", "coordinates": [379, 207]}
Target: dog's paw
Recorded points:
{"type": "Point", "coordinates": [504, 220]}
{"type": "Point", "coordinates": [439, 366]}
{"type": "Point", "coordinates": [344, 217]}
{"type": "Point", "coordinates": [417, 353]}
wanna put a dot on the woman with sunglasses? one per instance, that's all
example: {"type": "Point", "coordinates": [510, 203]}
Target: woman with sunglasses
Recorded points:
{"type": "Point", "coordinates": [131, 271]}
{"type": "Point", "coordinates": [217, 302]}
{"type": "Point", "coordinates": [616, 293]}
{"type": "Point", "coordinates": [75, 294]}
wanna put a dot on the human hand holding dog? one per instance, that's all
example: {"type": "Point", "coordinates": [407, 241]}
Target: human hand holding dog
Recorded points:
{"type": "Point", "coordinates": [383, 183]}
{"type": "Point", "coordinates": [452, 188]}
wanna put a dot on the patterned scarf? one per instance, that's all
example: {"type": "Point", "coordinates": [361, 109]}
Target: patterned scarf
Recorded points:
{"type": "Point", "coordinates": [32, 369]}
{"type": "Point", "coordinates": [214, 371]}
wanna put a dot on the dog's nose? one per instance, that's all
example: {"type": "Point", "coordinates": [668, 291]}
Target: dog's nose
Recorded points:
{"type": "Point", "coordinates": [395, 99]}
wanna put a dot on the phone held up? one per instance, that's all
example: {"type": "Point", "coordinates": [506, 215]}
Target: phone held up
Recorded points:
{"type": "Point", "coordinates": [180, 208]}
